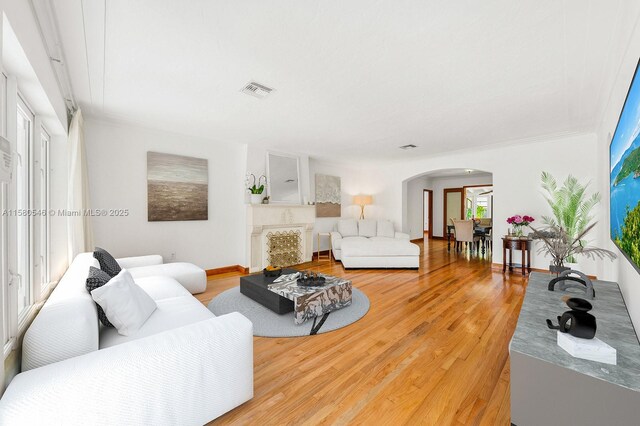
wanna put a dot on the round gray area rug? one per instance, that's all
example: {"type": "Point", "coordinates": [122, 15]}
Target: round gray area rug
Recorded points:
{"type": "Point", "coordinates": [267, 323]}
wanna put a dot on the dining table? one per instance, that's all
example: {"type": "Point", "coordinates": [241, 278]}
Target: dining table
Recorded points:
{"type": "Point", "coordinates": [481, 231]}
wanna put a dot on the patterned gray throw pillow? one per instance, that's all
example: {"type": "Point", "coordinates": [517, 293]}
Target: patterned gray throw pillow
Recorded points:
{"type": "Point", "coordinates": [98, 278]}
{"type": "Point", "coordinates": [107, 263]}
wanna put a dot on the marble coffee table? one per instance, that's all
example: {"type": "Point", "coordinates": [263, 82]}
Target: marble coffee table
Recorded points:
{"type": "Point", "coordinates": [314, 302]}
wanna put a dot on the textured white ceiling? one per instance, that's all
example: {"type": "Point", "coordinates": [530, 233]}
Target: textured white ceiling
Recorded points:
{"type": "Point", "coordinates": [352, 79]}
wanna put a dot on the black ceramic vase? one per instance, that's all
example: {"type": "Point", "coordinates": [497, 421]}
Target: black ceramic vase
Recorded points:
{"type": "Point", "coordinates": [578, 322]}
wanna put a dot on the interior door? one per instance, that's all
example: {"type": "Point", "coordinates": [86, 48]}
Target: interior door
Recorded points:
{"type": "Point", "coordinates": [453, 206]}
{"type": "Point", "coordinates": [427, 209]}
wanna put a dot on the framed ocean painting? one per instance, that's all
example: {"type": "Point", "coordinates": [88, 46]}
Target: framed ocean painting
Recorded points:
{"type": "Point", "coordinates": [177, 187]}
{"type": "Point", "coordinates": [624, 183]}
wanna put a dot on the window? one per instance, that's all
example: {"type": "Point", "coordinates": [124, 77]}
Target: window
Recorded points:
{"type": "Point", "coordinates": [24, 224]}
{"type": "Point", "coordinates": [24, 194]}
{"type": "Point", "coordinates": [479, 202]}
{"type": "Point", "coordinates": [4, 220]}
{"type": "Point", "coordinates": [24, 146]}
{"type": "Point", "coordinates": [41, 221]}
{"type": "Point", "coordinates": [482, 204]}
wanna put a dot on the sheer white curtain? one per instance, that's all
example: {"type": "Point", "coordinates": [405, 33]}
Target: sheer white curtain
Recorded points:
{"type": "Point", "coordinates": [78, 224]}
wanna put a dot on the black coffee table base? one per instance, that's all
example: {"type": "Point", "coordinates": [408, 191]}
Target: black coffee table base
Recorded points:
{"type": "Point", "coordinates": [255, 287]}
{"type": "Point", "coordinates": [316, 327]}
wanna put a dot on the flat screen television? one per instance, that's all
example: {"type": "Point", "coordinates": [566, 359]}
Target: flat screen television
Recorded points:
{"type": "Point", "coordinates": [624, 183]}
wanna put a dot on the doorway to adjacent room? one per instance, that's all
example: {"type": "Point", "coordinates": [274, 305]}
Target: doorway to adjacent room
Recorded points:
{"type": "Point", "coordinates": [427, 212]}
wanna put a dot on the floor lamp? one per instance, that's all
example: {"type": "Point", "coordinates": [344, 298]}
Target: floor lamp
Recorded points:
{"type": "Point", "coordinates": [362, 200]}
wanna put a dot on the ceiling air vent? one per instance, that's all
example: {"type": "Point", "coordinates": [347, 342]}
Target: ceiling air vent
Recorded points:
{"type": "Point", "coordinates": [410, 146]}
{"type": "Point", "coordinates": [256, 90]}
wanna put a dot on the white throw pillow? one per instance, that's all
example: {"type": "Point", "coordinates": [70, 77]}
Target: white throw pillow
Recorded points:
{"type": "Point", "coordinates": [367, 227]}
{"type": "Point", "coordinates": [348, 227]}
{"type": "Point", "coordinates": [385, 229]}
{"type": "Point", "coordinates": [126, 305]}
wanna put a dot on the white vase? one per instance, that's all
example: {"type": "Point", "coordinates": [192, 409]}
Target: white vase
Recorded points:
{"type": "Point", "coordinates": [256, 198]}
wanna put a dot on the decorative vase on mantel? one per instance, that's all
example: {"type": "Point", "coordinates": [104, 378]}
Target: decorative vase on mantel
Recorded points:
{"type": "Point", "coordinates": [256, 198]}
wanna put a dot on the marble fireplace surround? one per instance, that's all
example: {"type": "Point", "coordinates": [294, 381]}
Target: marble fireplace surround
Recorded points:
{"type": "Point", "coordinates": [265, 218]}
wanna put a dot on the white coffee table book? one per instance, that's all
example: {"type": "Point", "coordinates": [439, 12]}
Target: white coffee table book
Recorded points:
{"type": "Point", "coordinates": [591, 349]}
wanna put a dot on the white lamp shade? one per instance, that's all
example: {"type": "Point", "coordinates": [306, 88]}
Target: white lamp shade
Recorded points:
{"type": "Point", "coordinates": [362, 200]}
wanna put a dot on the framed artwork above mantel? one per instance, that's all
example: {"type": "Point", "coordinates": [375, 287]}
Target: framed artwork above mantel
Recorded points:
{"type": "Point", "coordinates": [283, 178]}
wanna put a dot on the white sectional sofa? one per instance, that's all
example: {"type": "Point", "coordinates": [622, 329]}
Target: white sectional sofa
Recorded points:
{"type": "Point", "coordinates": [370, 243]}
{"type": "Point", "coordinates": [185, 366]}
{"type": "Point", "coordinates": [189, 275]}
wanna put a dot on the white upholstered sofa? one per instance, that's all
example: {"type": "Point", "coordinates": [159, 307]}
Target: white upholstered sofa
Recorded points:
{"type": "Point", "coordinates": [184, 366]}
{"type": "Point", "coordinates": [370, 243]}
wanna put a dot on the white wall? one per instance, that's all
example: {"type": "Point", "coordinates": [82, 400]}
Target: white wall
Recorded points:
{"type": "Point", "coordinates": [621, 269]}
{"type": "Point", "coordinates": [414, 224]}
{"type": "Point", "coordinates": [350, 182]}
{"type": "Point", "coordinates": [117, 161]}
{"type": "Point", "coordinates": [516, 172]}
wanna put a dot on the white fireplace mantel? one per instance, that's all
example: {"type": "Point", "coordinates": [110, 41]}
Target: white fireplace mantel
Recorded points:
{"type": "Point", "coordinates": [262, 218]}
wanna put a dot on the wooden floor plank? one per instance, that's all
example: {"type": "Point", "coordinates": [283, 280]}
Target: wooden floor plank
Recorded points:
{"type": "Point", "coordinates": [433, 349]}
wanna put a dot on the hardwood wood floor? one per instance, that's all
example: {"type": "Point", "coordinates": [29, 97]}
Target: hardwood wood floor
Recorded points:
{"type": "Point", "coordinates": [433, 350]}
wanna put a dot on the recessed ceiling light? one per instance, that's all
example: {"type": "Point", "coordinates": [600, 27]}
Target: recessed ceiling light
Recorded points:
{"type": "Point", "coordinates": [469, 171]}
{"type": "Point", "coordinates": [256, 90]}
{"type": "Point", "coordinates": [410, 146]}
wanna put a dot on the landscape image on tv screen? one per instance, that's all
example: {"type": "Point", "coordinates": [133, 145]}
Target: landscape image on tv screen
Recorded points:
{"type": "Point", "coordinates": [625, 177]}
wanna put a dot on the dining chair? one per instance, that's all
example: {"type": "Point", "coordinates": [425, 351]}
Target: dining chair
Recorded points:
{"type": "Point", "coordinates": [487, 222]}
{"type": "Point", "coordinates": [488, 239]}
{"type": "Point", "coordinates": [464, 233]}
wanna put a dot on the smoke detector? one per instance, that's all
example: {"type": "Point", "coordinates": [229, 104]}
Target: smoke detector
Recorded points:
{"type": "Point", "coordinates": [410, 146]}
{"type": "Point", "coordinates": [256, 90]}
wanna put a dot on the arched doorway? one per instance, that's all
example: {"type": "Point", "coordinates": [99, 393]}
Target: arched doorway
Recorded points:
{"type": "Point", "coordinates": [431, 199]}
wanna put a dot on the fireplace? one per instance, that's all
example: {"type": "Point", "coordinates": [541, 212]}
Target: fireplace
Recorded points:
{"type": "Point", "coordinates": [279, 235]}
{"type": "Point", "coordinates": [284, 248]}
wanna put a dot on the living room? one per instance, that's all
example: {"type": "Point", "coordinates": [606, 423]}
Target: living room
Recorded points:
{"type": "Point", "coordinates": [239, 190]}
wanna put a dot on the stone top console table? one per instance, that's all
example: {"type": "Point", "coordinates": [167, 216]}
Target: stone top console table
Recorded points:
{"type": "Point", "coordinates": [549, 386]}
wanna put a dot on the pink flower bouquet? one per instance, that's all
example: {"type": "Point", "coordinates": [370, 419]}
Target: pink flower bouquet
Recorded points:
{"type": "Point", "coordinates": [518, 220]}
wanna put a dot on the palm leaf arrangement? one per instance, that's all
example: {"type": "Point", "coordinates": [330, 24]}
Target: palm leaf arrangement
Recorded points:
{"type": "Point", "coordinates": [561, 246]}
{"type": "Point", "coordinates": [571, 207]}
{"type": "Point", "coordinates": [564, 233]}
